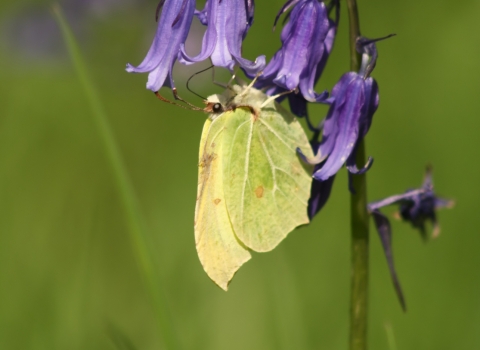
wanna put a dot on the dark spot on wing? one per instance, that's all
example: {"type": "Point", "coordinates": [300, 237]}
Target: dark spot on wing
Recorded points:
{"type": "Point", "coordinates": [207, 160]}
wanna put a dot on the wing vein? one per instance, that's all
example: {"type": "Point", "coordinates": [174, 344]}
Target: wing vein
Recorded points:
{"type": "Point", "coordinates": [270, 162]}
{"type": "Point", "coordinates": [294, 180]}
{"type": "Point", "coordinates": [247, 160]}
{"type": "Point", "coordinates": [275, 187]}
{"type": "Point", "coordinates": [278, 136]}
{"type": "Point", "coordinates": [284, 211]}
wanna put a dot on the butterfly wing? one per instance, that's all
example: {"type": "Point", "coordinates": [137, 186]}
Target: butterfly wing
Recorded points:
{"type": "Point", "coordinates": [266, 184]}
{"type": "Point", "coordinates": [219, 250]}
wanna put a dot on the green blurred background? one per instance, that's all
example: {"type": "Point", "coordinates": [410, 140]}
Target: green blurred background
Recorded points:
{"type": "Point", "coordinates": [68, 274]}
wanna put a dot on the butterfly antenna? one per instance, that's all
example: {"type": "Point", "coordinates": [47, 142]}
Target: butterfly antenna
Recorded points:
{"type": "Point", "coordinates": [190, 107]}
{"type": "Point", "coordinates": [223, 85]}
{"type": "Point", "coordinates": [194, 74]}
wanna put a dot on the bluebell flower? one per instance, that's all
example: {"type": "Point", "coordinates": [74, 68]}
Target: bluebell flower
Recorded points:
{"type": "Point", "coordinates": [297, 101]}
{"type": "Point", "coordinates": [173, 26]}
{"type": "Point", "coordinates": [416, 206]}
{"type": "Point", "coordinates": [307, 39]}
{"type": "Point", "coordinates": [354, 101]}
{"type": "Point", "coordinates": [227, 25]}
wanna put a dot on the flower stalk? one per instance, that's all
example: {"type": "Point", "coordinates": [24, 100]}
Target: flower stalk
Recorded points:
{"type": "Point", "coordinates": [359, 218]}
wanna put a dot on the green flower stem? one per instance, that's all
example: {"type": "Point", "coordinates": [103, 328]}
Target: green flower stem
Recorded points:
{"type": "Point", "coordinates": [135, 222]}
{"type": "Point", "coordinates": [359, 219]}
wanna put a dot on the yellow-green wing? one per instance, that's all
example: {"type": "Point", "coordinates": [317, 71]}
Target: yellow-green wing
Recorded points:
{"type": "Point", "coordinates": [219, 250]}
{"type": "Point", "coordinates": [266, 184]}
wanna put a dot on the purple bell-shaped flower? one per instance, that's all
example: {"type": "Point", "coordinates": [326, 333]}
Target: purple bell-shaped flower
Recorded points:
{"type": "Point", "coordinates": [172, 31]}
{"type": "Point", "coordinates": [307, 40]}
{"type": "Point", "coordinates": [227, 24]}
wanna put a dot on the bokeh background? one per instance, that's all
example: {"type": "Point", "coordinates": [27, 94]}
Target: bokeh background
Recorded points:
{"type": "Point", "coordinates": [68, 274]}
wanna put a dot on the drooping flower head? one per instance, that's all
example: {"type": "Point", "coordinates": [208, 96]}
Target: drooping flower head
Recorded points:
{"type": "Point", "coordinates": [307, 40]}
{"type": "Point", "coordinates": [227, 24]}
{"type": "Point", "coordinates": [416, 206]}
{"type": "Point", "coordinates": [353, 102]}
{"type": "Point", "coordinates": [172, 31]}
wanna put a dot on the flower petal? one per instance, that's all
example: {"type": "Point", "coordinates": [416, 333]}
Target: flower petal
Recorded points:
{"type": "Point", "coordinates": [172, 31]}
{"type": "Point", "coordinates": [309, 26]}
{"type": "Point", "coordinates": [304, 52]}
{"type": "Point", "coordinates": [385, 233]}
{"type": "Point", "coordinates": [227, 25]}
{"type": "Point", "coordinates": [399, 198]}
{"type": "Point", "coordinates": [319, 195]}
{"type": "Point", "coordinates": [317, 61]}
{"type": "Point", "coordinates": [236, 28]}
{"type": "Point", "coordinates": [416, 206]}
{"type": "Point", "coordinates": [209, 38]}
{"type": "Point", "coordinates": [352, 168]}
{"type": "Point", "coordinates": [346, 116]}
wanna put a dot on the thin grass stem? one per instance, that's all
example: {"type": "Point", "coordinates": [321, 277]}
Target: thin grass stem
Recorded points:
{"type": "Point", "coordinates": [134, 220]}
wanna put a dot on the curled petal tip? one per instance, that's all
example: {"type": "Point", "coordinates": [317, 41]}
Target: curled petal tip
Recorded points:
{"type": "Point", "coordinates": [317, 159]}
{"type": "Point", "coordinates": [129, 68]}
{"type": "Point", "coordinates": [354, 170]}
{"type": "Point", "coordinates": [322, 97]}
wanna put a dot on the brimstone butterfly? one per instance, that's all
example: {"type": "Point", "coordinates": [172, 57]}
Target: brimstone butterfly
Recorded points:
{"type": "Point", "coordinates": [253, 188]}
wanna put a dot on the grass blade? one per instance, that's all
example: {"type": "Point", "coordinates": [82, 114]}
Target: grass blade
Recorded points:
{"type": "Point", "coordinates": [135, 222]}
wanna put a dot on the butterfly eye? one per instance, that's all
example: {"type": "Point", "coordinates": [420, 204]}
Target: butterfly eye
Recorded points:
{"type": "Point", "coordinates": [217, 108]}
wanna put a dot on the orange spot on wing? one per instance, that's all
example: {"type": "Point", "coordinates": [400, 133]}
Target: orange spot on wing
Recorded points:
{"type": "Point", "coordinates": [216, 201]}
{"type": "Point", "coordinates": [259, 191]}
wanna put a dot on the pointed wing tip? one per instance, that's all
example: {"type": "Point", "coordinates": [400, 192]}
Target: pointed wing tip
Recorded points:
{"type": "Point", "coordinates": [223, 283]}
{"type": "Point", "coordinates": [223, 279]}
{"type": "Point", "coordinates": [223, 286]}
